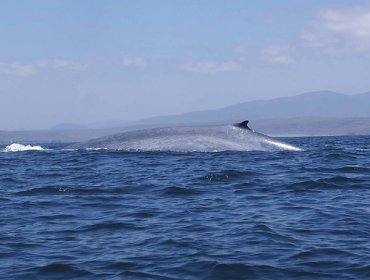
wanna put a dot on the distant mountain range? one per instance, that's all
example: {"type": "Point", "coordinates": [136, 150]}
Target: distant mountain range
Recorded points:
{"type": "Point", "coordinates": [308, 114]}
{"type": "Point", "coordinates": [322, 104]}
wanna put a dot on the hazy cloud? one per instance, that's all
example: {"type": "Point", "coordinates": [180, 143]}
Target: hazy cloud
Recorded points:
{"type": "Point", "coordinates": [279, 54]}
{"type": "Point", "coordinates": [18, 69]}
{"type": "Point", "coordinates": [22, 69]}
{"type": "Point", "coordinates": [241, 52]}
{"type": "Point", "coordinates": [133, 61]}
{"type": "Point", "coordinates": [62, 63]}
{"type": "Point", "coordinates": [338, 30]}
{"type": "Point", "coordinates": [211, 67]}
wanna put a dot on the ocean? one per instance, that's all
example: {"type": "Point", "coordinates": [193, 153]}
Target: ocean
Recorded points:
{"type": "Point", "coordinates": [100, 214]}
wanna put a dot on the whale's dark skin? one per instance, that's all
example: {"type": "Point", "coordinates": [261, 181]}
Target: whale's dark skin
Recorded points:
{"type": "Point", "coordinates": [237, 137]}
{"type": "Point", "coordinates": [243, 125]}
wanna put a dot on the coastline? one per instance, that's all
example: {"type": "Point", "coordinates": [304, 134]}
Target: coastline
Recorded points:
{"type": "Point", "coordinates": [294, 127]}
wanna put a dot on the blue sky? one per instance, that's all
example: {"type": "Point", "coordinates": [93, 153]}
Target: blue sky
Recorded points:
{"type": "Point", "coordinates": [101, 62]}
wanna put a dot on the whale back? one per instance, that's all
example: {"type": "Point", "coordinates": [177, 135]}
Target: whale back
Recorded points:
{"type": "Point", "coordinates": [237, 137]}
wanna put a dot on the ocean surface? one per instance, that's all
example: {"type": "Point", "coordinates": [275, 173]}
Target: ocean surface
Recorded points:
{"type": "Point", "coordinates": [98, 214]}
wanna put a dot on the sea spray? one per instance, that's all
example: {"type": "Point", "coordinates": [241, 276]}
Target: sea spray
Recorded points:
{"type": "Point", "coordinates": [21, 148]}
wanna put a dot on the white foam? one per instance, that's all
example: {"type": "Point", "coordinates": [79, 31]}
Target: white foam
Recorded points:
{"type": "Point", "coordinates": [283, 146]}
{"type": "Point", "coordinates": [95, 149]}
{"type": "Point", "coordinates": [21, 148]}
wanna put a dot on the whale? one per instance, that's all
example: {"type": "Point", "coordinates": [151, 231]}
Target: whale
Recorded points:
{"type": "Point", "coordinates": [206, 138]}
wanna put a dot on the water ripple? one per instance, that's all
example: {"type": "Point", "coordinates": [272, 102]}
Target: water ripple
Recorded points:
{"type": "Point", "coordinates": [165, 215]}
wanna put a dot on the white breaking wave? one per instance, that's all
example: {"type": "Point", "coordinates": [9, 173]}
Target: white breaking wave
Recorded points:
{"type": "Point", "coordinates": [21, 148]}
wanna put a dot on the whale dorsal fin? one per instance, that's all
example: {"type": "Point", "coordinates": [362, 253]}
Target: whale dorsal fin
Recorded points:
{"type": "Point", "coordinates": [243, 125]}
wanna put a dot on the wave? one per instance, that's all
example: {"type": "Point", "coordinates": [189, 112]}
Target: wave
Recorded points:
{"type": "Point", "coordinates": [21, 148]}
{"type": "Point", "coordinates": [55, 270]}
{"type": "Point", "coordinates": [180, 191]}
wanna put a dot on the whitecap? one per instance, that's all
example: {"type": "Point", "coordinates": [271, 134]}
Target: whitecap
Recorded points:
{"type": "Point", "coordinates": [21, 148]}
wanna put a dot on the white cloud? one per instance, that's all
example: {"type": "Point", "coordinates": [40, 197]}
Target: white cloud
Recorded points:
{"type": "Point", "coordinates": [18, 69]}
{"type": "Point", "coordinates": [62, 63]}
{"type": "Point", "coordinates": [22, 69]}
{"type": "Point", "coordinates": [133, 61]}
{"type": "Point", "coordinates": [211, 67]}
{"type": "Point", "coordinates": [279, 54]}
{"type": "Point", "coordinates": [340, 30]}
{"type": "Point", "coordinates": [353, 23]}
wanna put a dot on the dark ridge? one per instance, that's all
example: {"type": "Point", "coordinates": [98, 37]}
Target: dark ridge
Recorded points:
{"type": "Point", "coordinates": [59, 271]}
{"type": "Point", "coordinates": [179, 191]}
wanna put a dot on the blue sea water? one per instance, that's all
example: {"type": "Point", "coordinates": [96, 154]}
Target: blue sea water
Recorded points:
{"type": "Point", "coordinates": [160, 215]}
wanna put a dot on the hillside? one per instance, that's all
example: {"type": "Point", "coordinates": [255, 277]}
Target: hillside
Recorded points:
{"type": "Point", "coordinates": [308, 114]}
{"type": "Point", "coordinates": [324, 104]}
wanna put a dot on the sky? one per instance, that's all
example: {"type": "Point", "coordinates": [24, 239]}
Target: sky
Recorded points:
{"type": "Point", "coordinates": [99, 63]}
